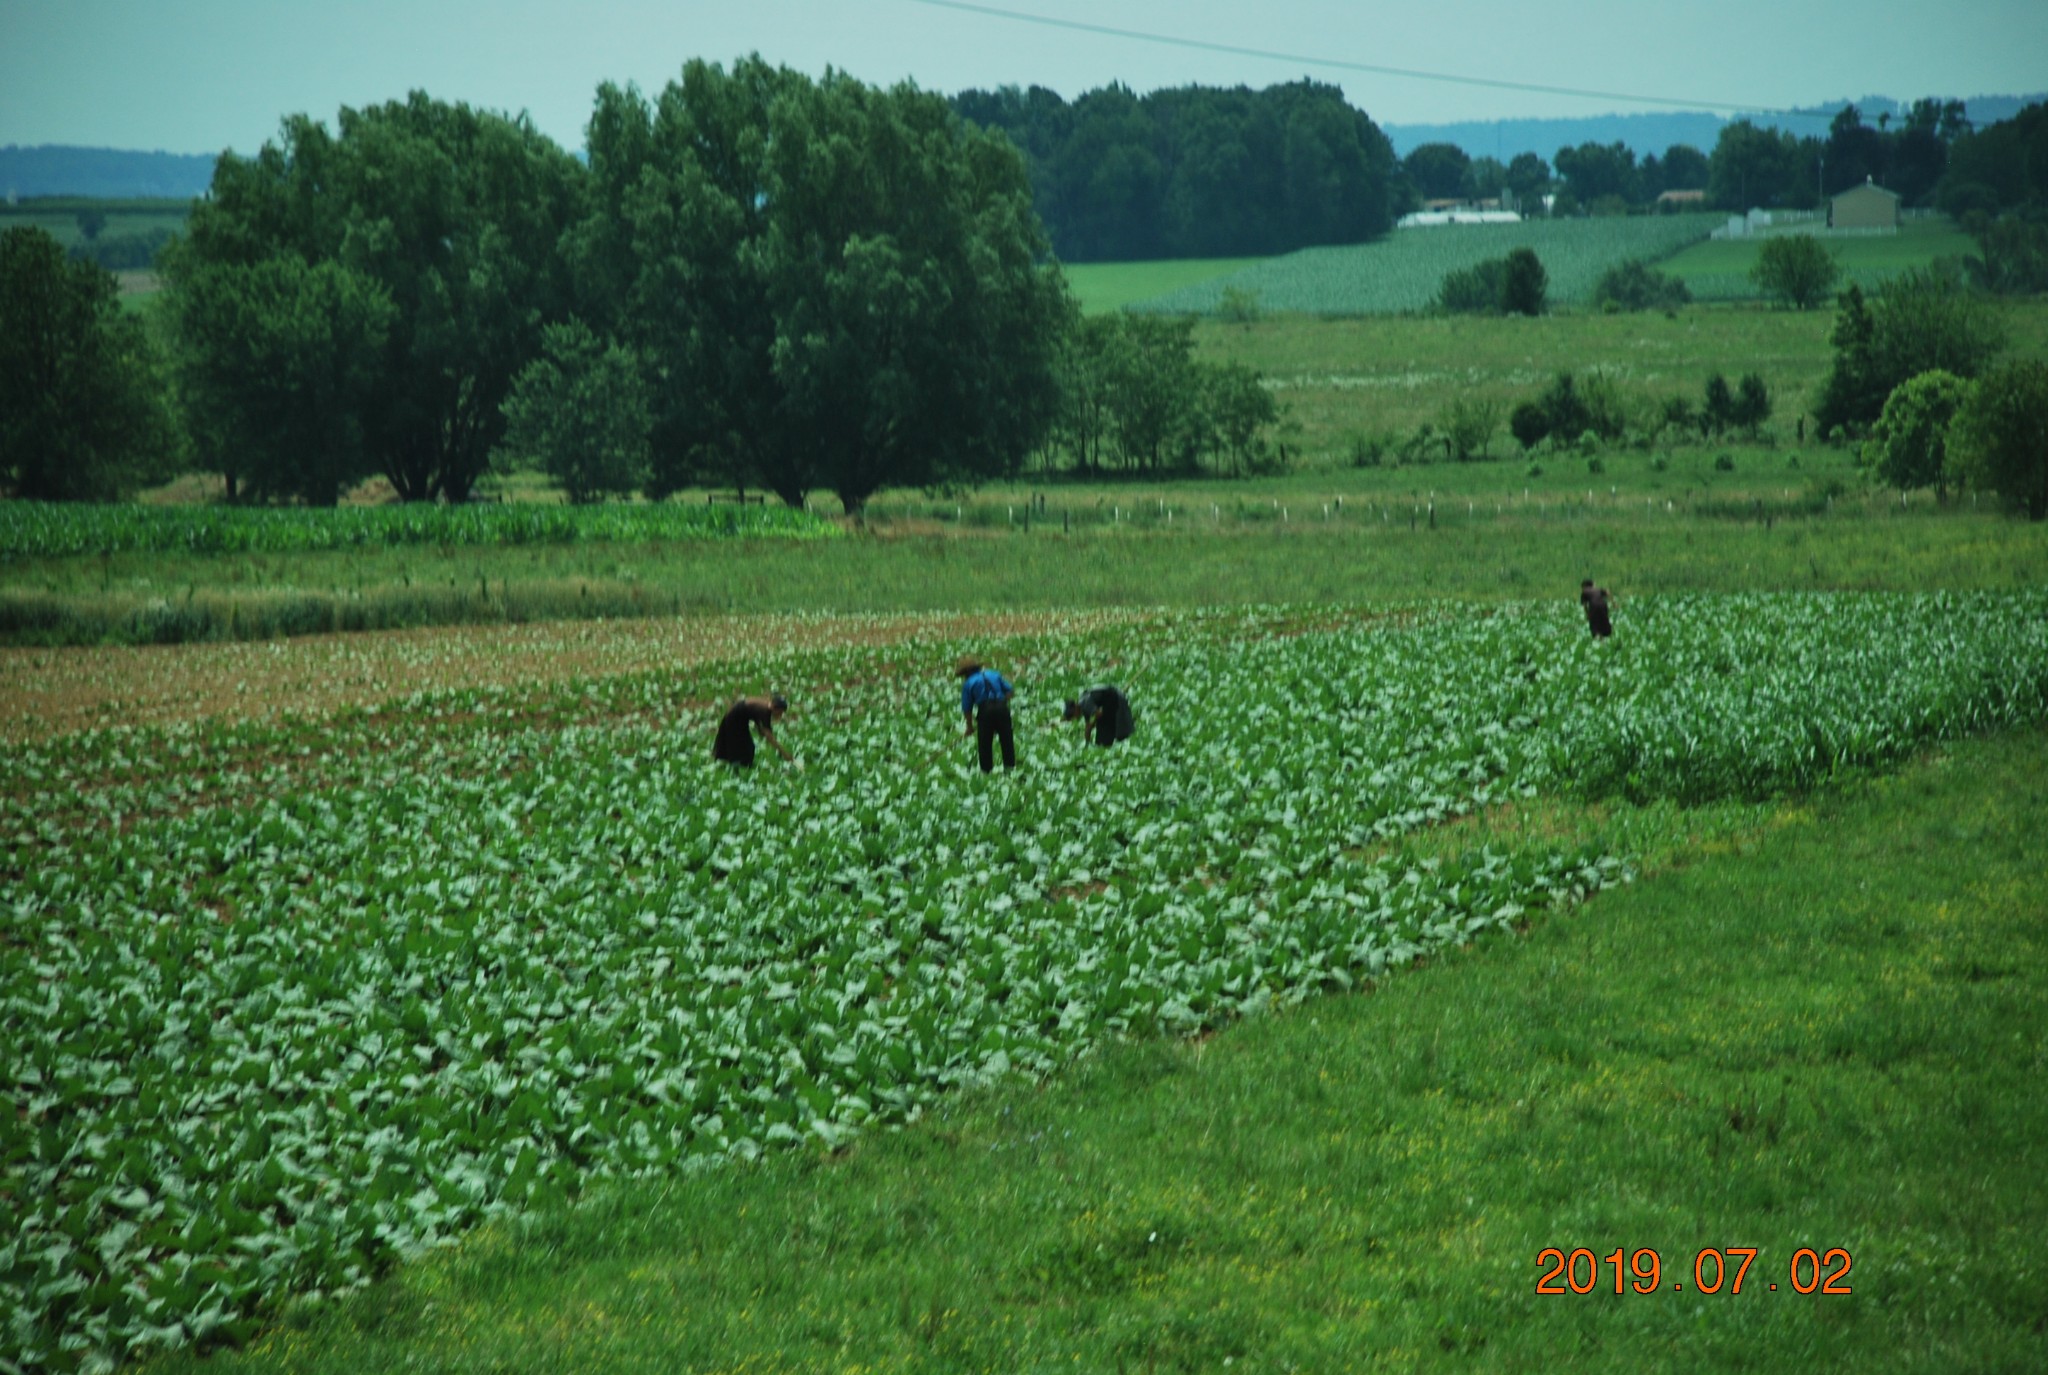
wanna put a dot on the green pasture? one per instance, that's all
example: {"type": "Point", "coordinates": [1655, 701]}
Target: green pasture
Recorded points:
{"type": "Point", "coordinates": [1718, 270]}
{"type": "Point", "coordinates": [1402, 271]}
{"type": "Point", "coordinates": [59, 216]}
{"type": "Point", "coordinates": [1103, 287]}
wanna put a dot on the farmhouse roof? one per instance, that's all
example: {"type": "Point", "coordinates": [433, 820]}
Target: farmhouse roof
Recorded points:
{"type": "Point", "coordinates": [1680, 197]}
{"type": "Point", "coordinates": [1868, 186]}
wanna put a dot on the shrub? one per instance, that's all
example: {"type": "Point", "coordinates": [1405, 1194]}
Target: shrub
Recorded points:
{"type": "Point", "coordinates": [1474, 290]}
{"type": "Point", "coordinates": [1909, 446]}
{"type": "Point", "coordinates": [1529, 423]}
{"type": "Point", "coordinates": [1468, 425]}
{"type": "Point", "coordinates": [1523, 283]}
{"type": "Point", "coordinates": [2000, 436]}
{"type": "Point", "coordinates": [1724, 463]}
{"type": "Point", "coordinates": [1797, 269]}
{"type": "Point", "coordinates": [1635, 285]}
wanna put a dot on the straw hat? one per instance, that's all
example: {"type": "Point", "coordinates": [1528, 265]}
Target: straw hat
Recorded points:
{"type": "Point", "coordinates": [966, 665]}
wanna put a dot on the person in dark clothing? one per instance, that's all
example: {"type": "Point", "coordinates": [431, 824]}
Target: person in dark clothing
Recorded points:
{"type": "Point", "coordinates": [985, 704]}
{"type": "Point", "coordinates": [735, 742]}
{"type": "Point", "coordinates": [1103, 710]}
{"type": "Point", "coordinates": [1594, 600]}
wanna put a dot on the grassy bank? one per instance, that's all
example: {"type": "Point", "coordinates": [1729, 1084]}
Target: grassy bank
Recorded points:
{"type": "Point", "coordinates": [1807, 1027]}
{"type": "Point", "coordinates": [1377, 549]}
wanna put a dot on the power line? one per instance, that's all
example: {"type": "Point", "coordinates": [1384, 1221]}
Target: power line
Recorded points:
{"type": "Point", "coordinates": [1411, 73]}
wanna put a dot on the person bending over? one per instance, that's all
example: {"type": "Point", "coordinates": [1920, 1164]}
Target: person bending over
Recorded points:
{"type": "Point", "coordinates": [735, 742]}
{"type": "Point", "coordinates": [1104, 711]}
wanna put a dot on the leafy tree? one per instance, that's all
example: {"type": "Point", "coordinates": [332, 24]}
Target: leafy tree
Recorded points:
{"type": "Point", "coordinates": [1468, 424]}
{"type": "Point", "coordinates": [581, 409]}
{"type": "Point", "coordinates": [91, 222]}
{"type": "Point", "coordinates": [1635, 285]}
{"type": "Point", "coordinates": [278, 371]}
{"type": "Point", "coordinates": [1592, 171]}
{"type": "Point", "coordinates": [1923, 320]}
{"type": "Point", "coordinates": [839, 287]}
{"type": "Point", "coordinates": [1909, 446]}
{"type": "Point", "coordinates": [1752, 404]}
{"type": "Point", "coordinates": [1718, 415]}
{"type": "Point", "coordinates": [1529, 422]}
{"type": "Point", "coordinates": [81, 408]}
{"type": "Point", "coordinates": [1240, 409]}
{"type": "Point", "coordinates": [456, 215]}
{"type": "Point", "coordinates": [1528, 176]}
{"type": "Point", "coordinates": [1795, 268]}
{"type": "Point", "coordinates": [1751, 166]}
{"type": "Point", "coordinates": [2011, 257]}
{"type": "Point", "coordinates": [1437, 170]}
{"type": "Point", "coordinates": [1523, 283]}
{"type": "Point", "coordinates": [1474, 290]}
{"type": "Point", "coordinates": [1999, 438]}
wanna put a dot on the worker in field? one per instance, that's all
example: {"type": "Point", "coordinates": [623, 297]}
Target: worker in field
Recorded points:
{"type": "Point", "coordinates": [735, 742]}
{"type": "Point", "coordinates": [1103, 711]}
{"type": "Point", "coordinates": [1594, 600]}
{"type": "Point", "coordinates": [985, 703]}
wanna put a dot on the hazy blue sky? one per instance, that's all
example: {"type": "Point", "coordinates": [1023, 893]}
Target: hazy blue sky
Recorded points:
{"type": "Point", "coordinates": [196, 76]}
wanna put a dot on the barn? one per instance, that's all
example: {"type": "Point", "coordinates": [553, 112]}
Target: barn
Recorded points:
{"type": "Point", "coordinates": [1868, 206]}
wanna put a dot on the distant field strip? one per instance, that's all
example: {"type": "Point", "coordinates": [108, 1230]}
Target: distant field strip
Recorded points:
{"type": "Point", "coordinates": [1718, 270]}
{"type": "Point", "coordinates": [1403, 271]}
{"type": "Point", "coordinates": [56, 530]}
{"type": "Point", "coordinates": [1103, 287]}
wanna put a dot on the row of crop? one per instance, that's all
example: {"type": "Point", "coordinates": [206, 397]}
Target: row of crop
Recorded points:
{"type": "Point", "coordinates": [56, 530]}
{"type": "Point", "coordinates": [370, 981]}
{"type": "Point", "coordinates": [1405, 270]}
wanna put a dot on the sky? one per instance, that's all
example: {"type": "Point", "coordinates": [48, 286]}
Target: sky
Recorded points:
{"type": "Point", "coordinates": [200, 76]}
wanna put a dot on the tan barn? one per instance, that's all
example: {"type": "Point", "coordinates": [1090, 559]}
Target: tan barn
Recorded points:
{"type": "Point", "coordinates": [1868, 206]}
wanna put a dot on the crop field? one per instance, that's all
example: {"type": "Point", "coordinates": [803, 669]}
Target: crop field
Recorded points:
{"type": "Point", "coordinates": [1103, 287]}
{"type": "Point", "coordinates": [294, 998]}
{"type": "Point", "coordinates": [1403, 271]}
{"type": "Point", "coordinates": [1718, 270]}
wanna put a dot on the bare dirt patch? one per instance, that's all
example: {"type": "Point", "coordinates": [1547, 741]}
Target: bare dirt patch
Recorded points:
{"type": "Point", "coordinates": [46, 692]}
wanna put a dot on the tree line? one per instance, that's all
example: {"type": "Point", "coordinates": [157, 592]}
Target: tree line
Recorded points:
{"type": "Point", "coordinates": [759, 280]}
{"type": "Point", "coordinates": [1196, 172]}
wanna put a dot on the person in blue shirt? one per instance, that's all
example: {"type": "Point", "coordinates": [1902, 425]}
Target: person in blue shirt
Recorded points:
{"type": "Point", "coordinates": [985, 704]}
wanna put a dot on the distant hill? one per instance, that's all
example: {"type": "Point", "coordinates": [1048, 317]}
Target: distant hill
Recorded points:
{"type": "Point", "coordinates": [108, 173]}
{"type": "Point", "coordinates": [1653, 133]}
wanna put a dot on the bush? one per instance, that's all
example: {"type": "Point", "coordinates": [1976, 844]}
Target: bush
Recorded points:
{"type": "Point", "coordinates": [1468, 425]}
{"type": "Point", "coordinates": [1924, 320]}
{"type": "Point", "coordinates": [1529, 423]}
{"type": "Point", "coordinates": [1368, 450]}
{"type": "Point", "coordinates": [1999, 439]}
{"type": "Point", "coordinates": [1797, 269]}
{"type": "Point", "coordinates": [1724, 463]}
{"type": "Point", "coordinates": [1909, 446]}
{"type": "Point", "coordinates": [1523, 283]}
{"type": "Point", "coordinates": [1474, 290]}
{"type": "Point", "coordinates": [1635, 285]}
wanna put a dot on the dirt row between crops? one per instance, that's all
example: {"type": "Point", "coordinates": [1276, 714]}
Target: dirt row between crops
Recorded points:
{"type": "Point", "coordinates": [49, 692]}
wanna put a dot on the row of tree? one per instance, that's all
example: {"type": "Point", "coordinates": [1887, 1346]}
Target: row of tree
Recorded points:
{"type": "Point", "coordinates": [1930, 157]}
{"type": "Point", "coordinates": [1196, 172]}
{"type": "Point", "coordinates": [758, 280]}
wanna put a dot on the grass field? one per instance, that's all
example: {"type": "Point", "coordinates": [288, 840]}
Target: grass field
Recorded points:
{"type": "Point", "coordinates": [1719, 270]}
{"type": "Point", "coordinates": [122, 217]}
{"type": "Point", "coordinates": [1103, 287]}
{"type": "Point", "coordinates": [1402, 272]}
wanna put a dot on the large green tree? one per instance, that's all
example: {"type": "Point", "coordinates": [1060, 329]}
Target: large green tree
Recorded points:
{"type": "Point", "coordinates": [1909, 446]}
{"type": "Point", "coordinates": [581, 410]}
{"type": "Point", "coordinates": [81, 401]}
{"type": "Point", "coordinates": [1999, 438]}
{"type": "Point", "coordinates": [1920, 322]}
{"type": "Point", "coordinates": [279, 370]}
{"type": "Point", "coordinates": [836, 286]}
{"type": "Point", "coordinates": [456, 216]}
{"type": "Point", "coordinates": [1795, 268]}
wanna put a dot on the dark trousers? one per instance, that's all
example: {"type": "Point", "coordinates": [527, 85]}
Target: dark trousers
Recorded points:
{"type": "Point", "coordinates": [992, 723]}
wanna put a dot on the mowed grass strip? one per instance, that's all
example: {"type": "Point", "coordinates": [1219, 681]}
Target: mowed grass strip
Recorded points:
{"type": "Point", "coordinates": [1103, 287]}
{"type": "Point", "coordinates": [1820, 1028]}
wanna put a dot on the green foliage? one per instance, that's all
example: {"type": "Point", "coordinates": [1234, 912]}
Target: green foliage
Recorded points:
{"type": "Point", "coordinates": [81, 410]}
{"type": "Point", "coordinates": [1133, 396]}
{"type": "Point", "coordinates": [1513, 285]}
{"type": "Point", "coordinates": [1523, 283]}
{"type": "Point", "coordinates": [1922, 322]}
{"type": "Point", "coordinates": [279, 372]}
{"type": "Point", "coordinates": [280, 1027]}
{"type": "Point", "coordinates": [2011, 257]}
{"type": "Point", "coordinates": [1999, 439]}
{"type": "Point", "coordinates": [453, 216]}
{"type": "Point", "coordinates": [1635, 285]}
{"type": "Point", "coordinates": [581, 409]}
{"type": "Point", "coordinates": [1239, 306]}
{"type": "Point", "coordinates": [1529, 422]}
{"type": "Point", "coordinates": [883, 316]}
{"type": "Point", "coordinates": [1909, 445]}
{"type": "Point", "coordinates": [1405, 271]}
{"type": "Point", "coordinates": [1195, 172]}
{"type": "Point", "coordinates": [1468, 424]}
{"type": "Point", "coordinates": [1570, 409]}
{"type": "Point", "coordinates": [1796, 269]}
{"type": "Point", "coordinates": [37, 530]}
{"type": "Point", "coordinates": [1745, 407]}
